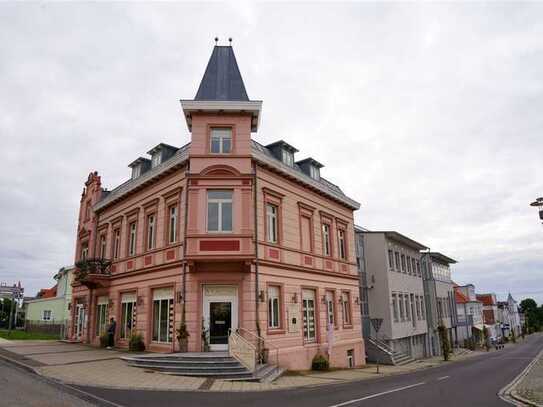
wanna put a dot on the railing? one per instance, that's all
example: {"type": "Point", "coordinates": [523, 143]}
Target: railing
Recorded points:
{"type": "Point", "coordinates": [241, 349]}
{"type": "Point", "coordinates": [250, 340]}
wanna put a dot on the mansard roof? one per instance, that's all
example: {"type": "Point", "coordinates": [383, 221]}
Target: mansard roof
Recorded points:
{"type": "Point", "coordinates": [222, 78]}
{"type": "Point", "coordinates": [259, 153]}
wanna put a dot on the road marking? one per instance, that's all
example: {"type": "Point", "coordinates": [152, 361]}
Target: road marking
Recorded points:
{"type": "Point", "coordinates": [371, 396]}
{"type": "Point", "coordinates": [442, 378]}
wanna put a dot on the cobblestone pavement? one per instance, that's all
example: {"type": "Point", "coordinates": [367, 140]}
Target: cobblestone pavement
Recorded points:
{"type": "Point", "coordinates": [531, 385]}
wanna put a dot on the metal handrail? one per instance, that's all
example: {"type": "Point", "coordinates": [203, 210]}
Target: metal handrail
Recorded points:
{"type": "Point", "coordinates": [261, 339]}
{"type": "Point", "coordinates": [231, 333]}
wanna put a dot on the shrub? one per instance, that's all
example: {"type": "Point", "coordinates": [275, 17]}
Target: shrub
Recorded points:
{"type": "Point", "coordinates": [470, 343]}
{"type": "Point", "coordinates": [444, 339]}
{"type": "Point", "coordinates": [135, 344]}
{"type": "Point", "coordinates": [104, 340]}
{"type": "Point", "coordinates": [320, 363]}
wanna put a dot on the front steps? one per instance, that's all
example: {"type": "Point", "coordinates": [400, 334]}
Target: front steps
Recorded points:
{"type": "Point", "coordinates": [217, 365]}
{"type": "Point", "coordinates": [379, 352]}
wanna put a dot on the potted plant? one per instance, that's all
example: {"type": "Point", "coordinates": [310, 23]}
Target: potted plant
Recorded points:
{"type": "Point", "coordinates": [183, 337]}
{"type": "Point", "coordinates": [136, 344]}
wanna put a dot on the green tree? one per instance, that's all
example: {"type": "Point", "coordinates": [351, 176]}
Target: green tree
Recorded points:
{"type": "Point", "coordinates": [533, 314]}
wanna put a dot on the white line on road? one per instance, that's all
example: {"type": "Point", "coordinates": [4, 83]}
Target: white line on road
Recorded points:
{"type": "Point", "coordinates": [442, 378]}
{"type": "Point", "coordinates": [371, 396]}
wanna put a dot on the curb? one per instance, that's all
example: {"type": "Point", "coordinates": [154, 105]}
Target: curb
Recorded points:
{"type": "Point", "coordinates": [509, 391]}
{"type": "Point", "coordinates": [20, 364]}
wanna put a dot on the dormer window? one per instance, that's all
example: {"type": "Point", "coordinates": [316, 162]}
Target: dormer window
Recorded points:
{"type": "Point", "coordinates": [136, 171]}
{"type": "Point", "coordinates": [221, 140]}
{"type": "Point", "coordinates": [155, 160]}
{"type": "Point", "coordinates": [314, 172]}
{"type": "Point", "coordinates": [288, 158]}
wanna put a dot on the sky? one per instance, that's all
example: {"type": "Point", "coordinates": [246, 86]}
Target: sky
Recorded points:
{"type": "Point", "coordinates": [429, 115]}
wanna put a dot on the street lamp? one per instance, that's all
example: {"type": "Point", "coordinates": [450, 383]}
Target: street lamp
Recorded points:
{"type": "Point", "coordinates": [539, 203]}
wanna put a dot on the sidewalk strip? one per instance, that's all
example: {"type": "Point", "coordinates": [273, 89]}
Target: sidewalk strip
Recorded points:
{"type": "Point", "coordinates": [371, 396]}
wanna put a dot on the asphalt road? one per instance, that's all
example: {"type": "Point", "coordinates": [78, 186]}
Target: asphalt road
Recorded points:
{"type": "Point", "coordinates": [472, 382]}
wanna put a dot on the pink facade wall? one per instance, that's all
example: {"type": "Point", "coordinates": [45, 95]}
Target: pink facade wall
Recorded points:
{"type": "Point", "coordinates": [285, 263]}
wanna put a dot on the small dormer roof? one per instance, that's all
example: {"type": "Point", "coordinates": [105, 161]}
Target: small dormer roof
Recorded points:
{"type": "Point", "coordinates": [311, 161]}
{"type": "Point", "coordinates": [161, 146]}
{"type": "Point", "coordinates": [139, 161]}
{"type": "Point", "coordinates": [283, 144]}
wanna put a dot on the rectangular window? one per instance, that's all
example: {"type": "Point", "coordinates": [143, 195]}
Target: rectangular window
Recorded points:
{"type": "Point", "coordinates": [314, 172]}
{"type": "Point", "coordinates": [128, 309]}
{"type": "Point", "coordinates": [271, 223]}
{"type": "Point", "coordinates": [308, 311]}
{"type": "Point", "coordinates": [403, 263]}
{"type": "Point", "coordinates": [330, 313]}
{"type": "Point", "coordinates": [418, 268]}
{"type": "Point", "coordinates": [132, 239]}
{"type": "Point", "coordinates": [273, 307]}
{"type": "Point", "coordinates": [46, 316]}
{"type": "Point", "coordinates": [341, 244]}
{"type": "Point", "coordinates": [346, 303]}
{"type": "Point", "coordinates": [417, 302]}
{"type": "Point", "coordinates": [219, 211]}
{"type": "Point", "coordinates": [102, 246]}
{"type": "Point", "coordinates": [162, 309]}
{"type": "Point", "coordinates": [306, 234]}
{"type": "Point", "coordinates": [172, 224]}
{"type": "Point", "coordinates": [155, 160]}
{"type": "Point", "coordinates": [395, 307]}
{"type": "Point", "coordinates": [407, 307]}
{"type": "Point", "coordinates": [422, 308]}
{"type": "Point", "coordinates": [221, 140]}
{"type": "Point", "coordinates": [397, 258]}
{"type": "Point", "coordinates": [413, 266]}
{"type": "Point", "coordinates": [136, 171]}
{"type": "Point", "coordinates": [326, 239]}
{"type": "Point", "coordinates": [101, 316]}
{"type": "Point", "coordinates": [151, 232]}
{"type": "Point", "coordinates": [116, 243]}
{"type": "Point", "coordinates": [390, 260]}
{"type": "Point", "coordinates": [288, 158]}
{"type": "Point", "coordinates": [400, 301]}
{"type": "Point", "coordinates": [409, 264]}
{"type": "Point", "coordinates": [84, 251]}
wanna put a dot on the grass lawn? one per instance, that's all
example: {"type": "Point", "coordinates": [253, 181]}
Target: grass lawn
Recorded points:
{"type": "Point", "coordinates": [22, 335]}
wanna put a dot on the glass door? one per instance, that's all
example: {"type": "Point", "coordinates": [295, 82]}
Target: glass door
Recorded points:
{"type": "Point", "coordinates": [220, 321]}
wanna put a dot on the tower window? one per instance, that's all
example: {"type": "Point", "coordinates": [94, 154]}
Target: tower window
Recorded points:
{"type": "Point", "coordinates": [221, 140]}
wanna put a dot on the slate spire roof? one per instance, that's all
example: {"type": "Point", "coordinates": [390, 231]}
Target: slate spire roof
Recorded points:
{"type": "Point", "coordinates": [222, 79]}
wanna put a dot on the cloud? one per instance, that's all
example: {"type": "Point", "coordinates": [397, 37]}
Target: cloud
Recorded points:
{"type": "Point", "coordinates": [428, 114]}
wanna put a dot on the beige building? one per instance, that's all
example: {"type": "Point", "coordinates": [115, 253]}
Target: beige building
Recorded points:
{"type": "Point", "coordinates": [395, 295]}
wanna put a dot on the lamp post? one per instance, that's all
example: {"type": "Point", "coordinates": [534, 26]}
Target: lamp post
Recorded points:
{"type": "Point", "coordinates": [539, 204]}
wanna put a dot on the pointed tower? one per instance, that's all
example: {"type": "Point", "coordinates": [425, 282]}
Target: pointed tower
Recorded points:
{"type": "Point", "coordinates": [221, 103]}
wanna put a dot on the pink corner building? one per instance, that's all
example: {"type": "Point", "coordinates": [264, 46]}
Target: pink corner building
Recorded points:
{"type": "Point", "coordinates": [224, 235]}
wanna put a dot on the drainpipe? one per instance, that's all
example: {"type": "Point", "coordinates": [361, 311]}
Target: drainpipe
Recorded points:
{"type": "Point", "coordinates": [256, 252]}
{"type": "Point", "coordinates": [185, 215]}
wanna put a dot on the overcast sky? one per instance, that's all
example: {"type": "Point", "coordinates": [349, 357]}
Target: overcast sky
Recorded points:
{"type": "Point", "coordinates": [430, 115]}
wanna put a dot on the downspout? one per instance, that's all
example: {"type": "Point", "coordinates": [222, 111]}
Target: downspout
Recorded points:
{"type": "Point", "coordinates": [256, 253]}
{"type": "Point", "coordinates": [185, 215]}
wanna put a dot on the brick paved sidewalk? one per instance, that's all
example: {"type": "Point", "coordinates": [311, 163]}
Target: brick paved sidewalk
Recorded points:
{"type": "Point", "coordinates": [89, 366]}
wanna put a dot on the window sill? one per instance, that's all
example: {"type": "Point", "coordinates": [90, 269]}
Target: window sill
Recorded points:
{"type": "Point", "coordinates": [276, 331]}
{"type": "Point", "coordinates": [348, 326]}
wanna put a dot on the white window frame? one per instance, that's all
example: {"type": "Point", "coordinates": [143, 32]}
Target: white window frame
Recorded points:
{"type": "Point", "coordinates": [272, 224]}
{"type": "Point", "coordinates": [101, 318]}
{"type": "Point", "coordinates": [221, 138]}
{"type": "Point", "coordinates": [127, 301]}
{"type": "Point", "coordinates": [172, 227]}
{"type": "Point", "coordinates": [330, 313]}
{"type": "Point", "coordinates": [84, 251]}
{"type": "Point", "coordinates": [161, 311]}
{"type": "Point", "coordinates": [155, 160]}
{"type": "Point", "coordinates": [133, 230]}
{"type": "Point", "coordinates": [327, 247]}
{"type": "Point", "coordinates": [220, 202]}
{"type": "Point", "coordinates": [117, 243]}
{"type": "Point", "coordinates": [136, 171]}
{"type": "Point", "coordinates": [308, 316]}
{"type": "Point", "coordinates": [288, 157]}
{"type": "Point", "coordinates": [103, 246]}
{"type": "Point", "coordinates": [395, 307]}
{"type": "Point", "coordinates": [274, 307]}
{"type": "Point", "coordinates": [151, 231]}
{"type": "Point", "coordinates": [47, 315]}
{"type": "Point", "coordinates": [342, 247]}
{"type": "Point", "coordinates": [314, 172]}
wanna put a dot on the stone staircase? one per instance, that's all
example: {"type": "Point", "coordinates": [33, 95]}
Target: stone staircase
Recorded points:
{"type": "Point", "coordinates": [217, 365]}
{"type": "Point", "coordinates": [379, 352]}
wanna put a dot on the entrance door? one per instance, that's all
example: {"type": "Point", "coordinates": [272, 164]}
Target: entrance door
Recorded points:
{"type": "Point", "coordinates": [80, 319]}
{"type": "Point", "coordinates": [220, 309]}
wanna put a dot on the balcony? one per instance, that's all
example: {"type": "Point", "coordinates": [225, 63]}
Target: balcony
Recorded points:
{"type": "Point", "coordinates": [93, 273]}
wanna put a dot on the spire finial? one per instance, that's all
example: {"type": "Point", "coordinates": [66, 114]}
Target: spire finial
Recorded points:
{"type": "Point", "coordinates": [230, 41]}
{"type": "Point", "coordinates": [216, 40]}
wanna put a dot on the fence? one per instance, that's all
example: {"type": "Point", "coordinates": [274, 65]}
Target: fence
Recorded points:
{"type": "Point", "coordinates": [59, 327]}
